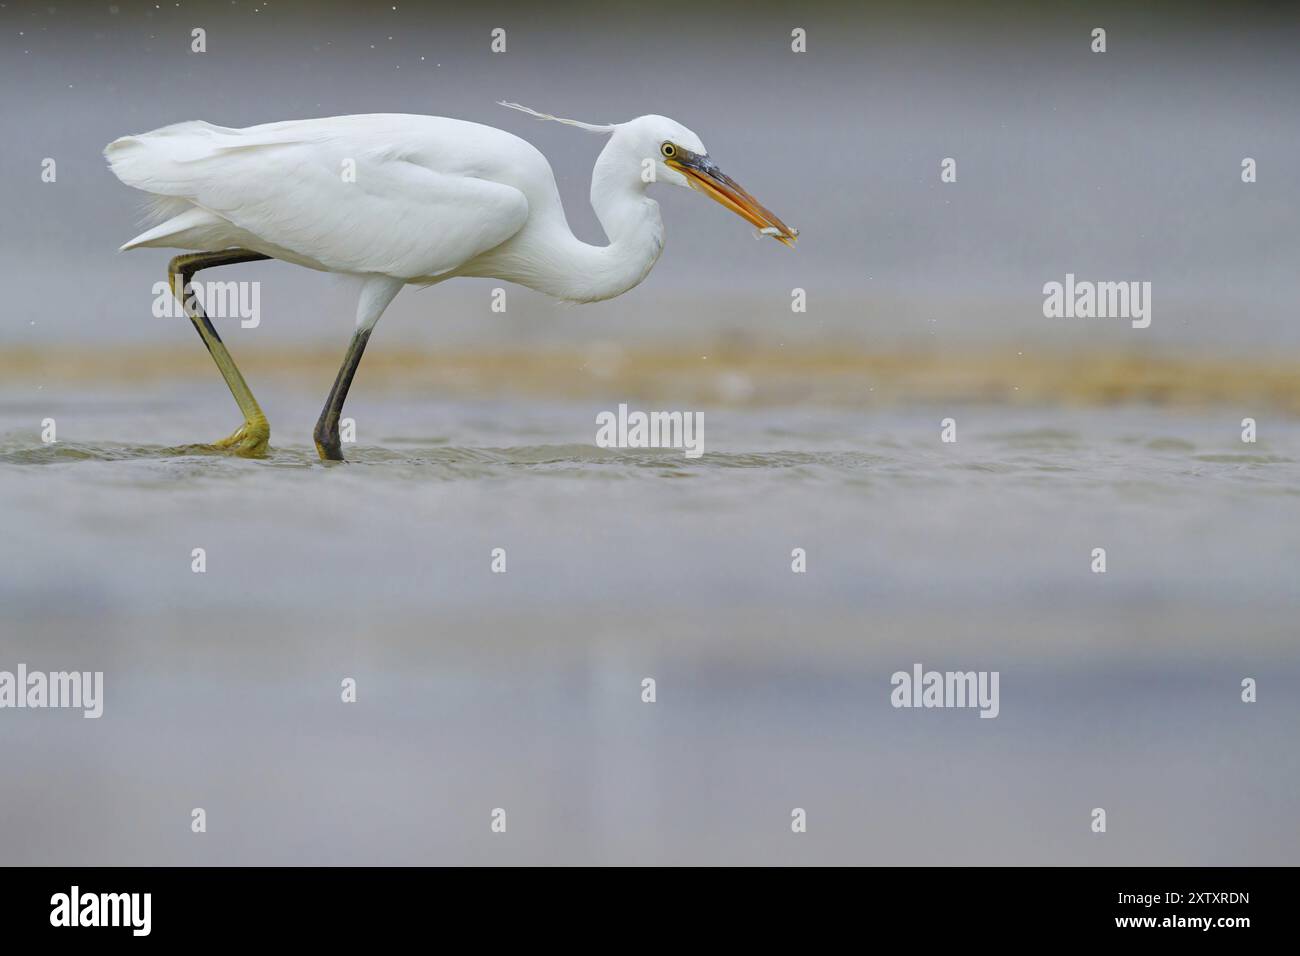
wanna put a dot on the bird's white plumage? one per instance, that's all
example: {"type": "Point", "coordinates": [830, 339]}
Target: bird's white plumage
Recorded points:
{"type": "Point", "coordinates": [412, 197]}
{"type": "Point", "coordinates": [408, 198]}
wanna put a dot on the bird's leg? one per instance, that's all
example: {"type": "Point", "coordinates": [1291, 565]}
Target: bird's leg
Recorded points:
{"type": "Point", "coordinates": [250, 439]}
{"type": "Point", "coordinates": [327, 426]}
{"type": "Point", "coordinates": [376, 292]}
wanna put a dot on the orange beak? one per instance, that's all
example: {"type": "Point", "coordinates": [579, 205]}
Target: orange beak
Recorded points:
{"type": "Point", "coordinates": [704, 175]}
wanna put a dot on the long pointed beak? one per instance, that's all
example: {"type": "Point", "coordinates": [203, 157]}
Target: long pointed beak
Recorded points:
{"type": "Point", "coordinates": [705, 176]}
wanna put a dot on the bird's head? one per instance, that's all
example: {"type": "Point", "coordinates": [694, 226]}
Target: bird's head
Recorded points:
{"type": "Point", "coordinates": [678, 157]}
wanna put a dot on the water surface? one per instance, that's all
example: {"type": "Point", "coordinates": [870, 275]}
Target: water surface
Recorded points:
{"type": "Point", "coordinates": [522, 690]}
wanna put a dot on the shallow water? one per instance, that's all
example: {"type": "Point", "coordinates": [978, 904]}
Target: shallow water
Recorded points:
{"type": "Point", "coordinates": [522, 690]}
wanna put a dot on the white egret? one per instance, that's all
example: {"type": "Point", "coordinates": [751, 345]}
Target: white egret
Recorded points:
{"type": "Point", "coordinates": [398, 199]}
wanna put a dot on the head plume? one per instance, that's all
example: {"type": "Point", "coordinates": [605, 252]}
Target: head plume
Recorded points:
{"type": "Point", "coordinates": [589, 127]}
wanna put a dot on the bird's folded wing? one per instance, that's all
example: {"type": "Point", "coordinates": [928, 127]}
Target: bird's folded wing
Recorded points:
{"type": "Point", "coordinates": [349, 205]}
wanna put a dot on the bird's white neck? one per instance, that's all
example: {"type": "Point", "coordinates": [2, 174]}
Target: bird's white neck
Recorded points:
{"type": "Point", "coordinates": [571, 269]}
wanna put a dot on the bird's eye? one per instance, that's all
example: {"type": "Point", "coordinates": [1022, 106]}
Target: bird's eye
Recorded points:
{"type": "Point", "coordinates": [669, 150]}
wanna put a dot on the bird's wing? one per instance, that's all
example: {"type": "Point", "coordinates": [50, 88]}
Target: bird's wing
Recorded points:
{"type": "Point", "coordinates": [353, 197]}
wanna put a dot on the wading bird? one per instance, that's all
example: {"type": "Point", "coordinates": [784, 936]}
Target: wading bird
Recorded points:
{"type": "Point", "coordinates": [398, 199]}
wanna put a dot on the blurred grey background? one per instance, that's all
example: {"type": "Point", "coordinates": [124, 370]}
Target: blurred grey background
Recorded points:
{"type": "Point", "coordinates": [1122, 165]}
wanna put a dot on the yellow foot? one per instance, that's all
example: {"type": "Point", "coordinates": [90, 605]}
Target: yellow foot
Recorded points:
{"type": "Point", "coordinates": [249, 440]}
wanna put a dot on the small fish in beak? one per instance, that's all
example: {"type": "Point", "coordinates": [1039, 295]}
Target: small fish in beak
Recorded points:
{"type": "Point", "coordinates": [704, 175]}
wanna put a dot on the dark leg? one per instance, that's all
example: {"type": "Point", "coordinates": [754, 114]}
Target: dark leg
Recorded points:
{"type": "Point", "coordinates": [327, 426]}
{"type": "Point", "coordinates": [251, 438]}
